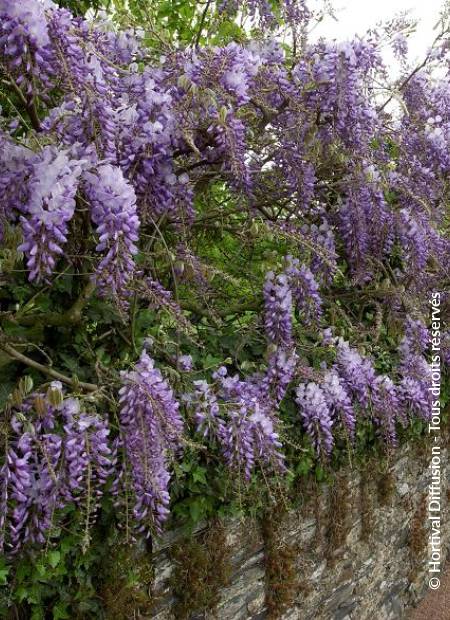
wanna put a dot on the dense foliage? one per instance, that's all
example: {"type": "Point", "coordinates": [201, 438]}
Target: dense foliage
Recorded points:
{"type": "Point", "coordinates": [219, 242]}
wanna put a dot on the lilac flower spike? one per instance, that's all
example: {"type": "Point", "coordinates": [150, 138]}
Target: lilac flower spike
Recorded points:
{"type": "Point", "coordinates": [57, 454]}
{"type": "Point", "coordinates": [305, 290]}
{"type": "Point", "coordinates": [151, 428]}
{"type": "Point", "coordinates": [339, 402]}
{"type": "Point", "coordinates": [51, 205]}
{"type": "Point", "coordinates": [357, 372]}
{"type": "Point", "coordinates": [278, 309]}
{"type": "Point", "coordinates": [316, 417]}
{"type": "Point", "coordinates": [238, 416]}
{"type": "Point", "coordinates": [113, 203]}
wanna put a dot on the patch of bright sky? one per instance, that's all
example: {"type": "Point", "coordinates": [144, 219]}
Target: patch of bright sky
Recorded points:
{"type": "Point", "coordinates": [357, 16]}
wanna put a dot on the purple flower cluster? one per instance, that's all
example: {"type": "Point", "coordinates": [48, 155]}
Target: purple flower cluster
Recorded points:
{"type": "Point", "coordinates": [238, 415]}
{"type": "Point", "coordinates": [151, 429]}
{"type": "Point", "coordinates": [278, 309]}
{"type": "Point", "coordinates": [415, 370]}
{"type": "Point", "coordinates": [87, 453]}
{"type": "Point", "coordinates": [230, 137]}
{"type": "Point", "coordinates": [295, 12]}
{"type": "Point", "coordinates": [305, 290]}
{"type": "Point", "coordinates": [113, 211]}
{"type": "Point", "coordinates": [339, 402]}
{"type": "Point", "coordinates": [386, 409]}
{"type": "Point", "coordinates": [296, 284]}
{"type": "Point", "coordinates": [56, 455]}
{"type": "Point", "coordinates": [280, 371]}
{"type": "Point", "coordinates": [15, 162]}
{"type": "Point", "coordinates": [324, 255]}
{"type": "Point", "coordinates": [357, 373]}
{"type": "Point", "coordinates": [412, 239]}
{"type": "Point", "coordinates": [24, 41]}
{"type": "Point", "coordinates": [316, 417]}
{"type": "Point", "coordinates": [49, 208]}
{"type": "Point", "coordinates": [207, 414]}
{"type": "Point", "coordinates": [366, 223]}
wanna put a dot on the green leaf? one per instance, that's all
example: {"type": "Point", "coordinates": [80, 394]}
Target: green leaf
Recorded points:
{"type": "Point", "coordinates": [303, 467]}
{"type": "Point", "coordinates": [320, 473]}
{"type": "Point", "coordinates": [4, 576]}
{"type": "Point", "coordinates": [60, 611]}
{"type": "Point", "coordinates": [54, 558]}
{"type": "Point", "coordinates": [199, 475]}
{"type": "Point", "coordinates": [21, 593]}
{"type": "Point", "coordinates": [40, 569]}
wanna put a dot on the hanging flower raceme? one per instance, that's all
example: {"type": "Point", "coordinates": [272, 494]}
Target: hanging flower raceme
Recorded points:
{"type": "Point", "coordinates": [56, 454]}
{"type": "Point", "coordinates": [305, 290]}
{"type": "Point", "coordinates": [278, 309]}
{"type": "Point", "coordinates": [87, 453]}
{"type": "Point", "coordinates": [387, 409]}
{"type": "Point", "coordinates": [339, 402]}
{"type": "Point", "coordinates": [207, 412]}
{"type": "Point", "coordinates": [415, 370]}
{"type": "Point", "coordinates": [230, 135]}
{"type": "Point", "coordinates": [295, 12]}
{"type": "Point", "coordinates": [280, 371]}
{"type": "Point", "coordinates": [232, 68]}
{"type": "Point", "coordinates": [113, 211]}
{"type": "Point", "coordinates": [15, 169]}
{"type": "Point", "coordinates": [25, 51]}
{"type": "Point", "coordinates": [239, 416]}
{"type": "Point", "coordinates": [151, 429]}
{"type": "Point", "coordinates": [357, 373]}
{"type": "Point", "coordinates": [316, 417]}
{"type": "Point", "coordinates": [324, 256]}
{"type": "Point", "coordinates": [50, 206]}
{"type": "Point", "coordinates": [413, 240]}
{"type": "Point", "coordinates": [354, 229]}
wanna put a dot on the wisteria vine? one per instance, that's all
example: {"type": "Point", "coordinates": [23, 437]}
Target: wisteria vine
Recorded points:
{"type": "Point", "coordinates": [130, 173]}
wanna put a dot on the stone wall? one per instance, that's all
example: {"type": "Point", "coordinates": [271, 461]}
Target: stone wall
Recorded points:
{"type": "Point", "coordinates": [358, 550]}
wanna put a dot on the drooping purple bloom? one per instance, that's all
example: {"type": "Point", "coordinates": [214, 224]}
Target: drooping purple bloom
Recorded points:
{"type": "Point", "coordinates": [414, 369]}
{"type": "Point", "coordinates": [316, 417]}
{"type": "Point", "coordinates": [49, 208]}
{"type": "Point", "coordinates": [185, 362]}
{"type": "Point", "coordinates": [57, 455]}
{"type": "Point", "coordinates": [24, 41]}
{"type": "Point", "coordinates": [324, 255]}
{"type": "Point", "coordinates": [357, 372]}
{"type": "Point", "coordinates": [387, 409]}
{"type": "Point", "coordinates": [113, 204]}
{"type": "Point", "coordinates": [305, 290]}
{"type": "Point", "coordinates": [207, 412]}
{"type": "Point", "coordinates": [151, 428]}
{"type": "Point", "coordinates": [87, 453]}
{"type": "Point", "coordinates": [280, 372]}
{"type": "Point", "coordinates": [230, 135]}
{"type": "Point", "coordinates": [239, 416]}
{"type": "Point", "coordinates": [415, 397]}
{"type": "Point", "coordinates": [278, 309]}
{"type": "Point", "coordinates": [339, 402]}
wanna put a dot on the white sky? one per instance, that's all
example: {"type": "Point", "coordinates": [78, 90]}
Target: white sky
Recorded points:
{"type": "Point", "coordinates": [356, 16]}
